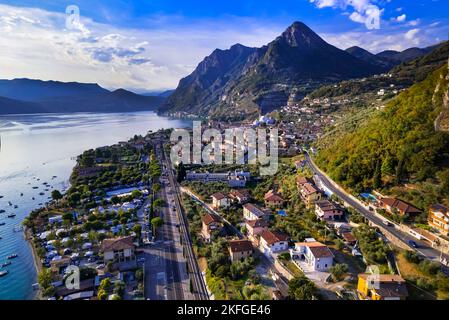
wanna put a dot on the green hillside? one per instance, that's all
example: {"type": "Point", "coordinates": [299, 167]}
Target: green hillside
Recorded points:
{"type": "Point", "coordinates": [395, 146]}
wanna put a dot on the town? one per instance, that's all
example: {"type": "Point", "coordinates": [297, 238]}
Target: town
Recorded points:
{"type": "Point", "coordinates": [140, 227]}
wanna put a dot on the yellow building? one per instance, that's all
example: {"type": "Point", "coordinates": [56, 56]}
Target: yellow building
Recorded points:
{"type": "Point", "coordinates": [381, 287]}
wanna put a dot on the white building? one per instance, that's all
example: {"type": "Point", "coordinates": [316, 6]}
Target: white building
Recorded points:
{"type": "Point", "coordinates": [219, 200]}
{"type": "Point", "coordinates": [253, 212]}
{"type": "Point", "coordinates": [314, 254]}
{"type": "Point", "coordinates": [272, 242]}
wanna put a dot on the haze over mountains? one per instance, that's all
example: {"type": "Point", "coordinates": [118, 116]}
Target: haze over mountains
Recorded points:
{"type": "Point", "coordinates": [35, 96]}
{"type": "Point", "coordinates": [241, 81]}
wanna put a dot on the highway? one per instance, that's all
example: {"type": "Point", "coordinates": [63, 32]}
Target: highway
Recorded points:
{"type": "Point", "coordinates": [424, 248]}
{"type": "Point", "coordinates": [199, 287]}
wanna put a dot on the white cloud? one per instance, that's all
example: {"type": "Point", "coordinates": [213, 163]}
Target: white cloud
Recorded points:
{"type": "Point", "coordinates": [363, 11]}
{"type": "Point", "coordinates": [401, 18]}
{"type": "Point", "coordinates": [36, 44]}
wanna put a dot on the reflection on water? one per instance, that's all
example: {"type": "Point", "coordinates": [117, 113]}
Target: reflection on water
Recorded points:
{"type": "Point", "coordinates": [42, 148]}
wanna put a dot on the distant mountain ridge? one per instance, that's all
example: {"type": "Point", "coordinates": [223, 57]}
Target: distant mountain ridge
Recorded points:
{"type": "Point", "coordinates": [243, 81]}
{"type": "Point", "coordinates": [37, 96]}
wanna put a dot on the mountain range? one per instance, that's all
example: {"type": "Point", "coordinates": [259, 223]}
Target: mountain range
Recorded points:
{"type": "Point", "coordinates": [20, 96]}
{"type": "Point", "coordinates": [241, 81]}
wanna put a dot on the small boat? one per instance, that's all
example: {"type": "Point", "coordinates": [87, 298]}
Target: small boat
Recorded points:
{"type": "Point", "coordinates": [13, 256]}
{"type": "Point", "coordinates": [2, 224]}
{"type": "Point", "coordinates": [1, 197]}
{"type": "Point", "coordinates": [21, 194]}
{"type": "Point", "coordinates": [6, 264]}
{"type": "Point", "coordinates": [35, 187]}
{"type": "Point", "coordinates": [9, 203]}
{"type": "Point", "coordinates": [2, 211]}
{"type": "Point", "coordinates": [41, 193]}
{"type": "Point", "coordinates": [12, 215]}
{"type": "Point", "coordinates": [16, 206]}
{"type": "Point", "coordinates": [3, 273]}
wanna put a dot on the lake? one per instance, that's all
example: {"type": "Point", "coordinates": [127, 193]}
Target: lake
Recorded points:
{"type": "Point", "coordinates": [42, 148]}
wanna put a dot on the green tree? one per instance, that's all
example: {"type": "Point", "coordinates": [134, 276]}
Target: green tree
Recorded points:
{"type": "Point", "coordinates": [301, 288]}
{"type": "Point", "coordinates": [338, 271]}
{"type": "Point", "coordinates": [157, 223]}
{"type": "Point", "coordinates": [56, 195]}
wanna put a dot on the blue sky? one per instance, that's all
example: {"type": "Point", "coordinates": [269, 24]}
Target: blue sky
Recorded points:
{"type": "Point", "coordinates": [149, 45]}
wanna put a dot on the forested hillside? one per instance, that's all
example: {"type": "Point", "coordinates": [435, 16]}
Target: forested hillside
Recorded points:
{"type": "Point", "coordinates": [395, 146]}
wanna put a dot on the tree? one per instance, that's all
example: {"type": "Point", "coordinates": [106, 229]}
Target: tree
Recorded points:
{"type": "Point", "coordinates": [104, 289]}
{"type": "Point", "coordinates": [137, 230]}
{"type": "Point", "coordinates": [377, 179]}
{"type": "Point", "coordinates": [338, 271]}
{"type": "Point", "coordinates": [45, 282]}
{"type": "Point", "coordinates": [56, 195]}
{"type": "Point", "coordinates": [157, 223]}
{"type": "Point", "coordinates": [301, 288]}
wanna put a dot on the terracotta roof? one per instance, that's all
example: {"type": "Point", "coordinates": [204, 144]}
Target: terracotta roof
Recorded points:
{"type": "Point", "coordinates": [302, 180]}
{"type": "Point", "coordinates": [117, 244]}
{"type": "Point", "coordinates": [273, 237]}
{"type": "Point", "coordinates": [400, 205]}
{"type": "Point", "coordinates": [210, 218]}
{"type": "Point", "coordinates": [389, 285]}
{"type": "Point", "coordinates": [240, 193]}
{"type": "Point", "coordinates": [318, 249]}
{"type": "Point", "coordinates": [321, 252]}
{"type": "Point", "coordinates": [240, 245]}
{"type": "Point", "coordinates": [257, 223]}
{"type": "Point", "coordinates": [349, 237]}
{"type": "Point", "coordinates": [218, 196]}
{"type": "Point", "coordinates": [273, 196]}
{"type": "Point", "coordinates": [308, 189]}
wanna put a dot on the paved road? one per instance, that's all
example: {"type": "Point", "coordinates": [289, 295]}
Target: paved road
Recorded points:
{"type": "Point", "coordinates": [424, 248]}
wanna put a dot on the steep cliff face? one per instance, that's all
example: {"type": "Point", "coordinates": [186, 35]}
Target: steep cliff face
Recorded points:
{"type": "Point", "coordinates": [245, 81]}
{"type": "Point", "coordinates": [442, 122]}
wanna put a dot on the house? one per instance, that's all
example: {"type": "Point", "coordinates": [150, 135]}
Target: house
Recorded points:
{"type": "Point", "coordinates": [272, 242]}
{"type": "Point", "coordinates": [255, 227]}
{"type": "Point", "coordinates": [392, 206]}
{"type": "Point", "coordinates": [381, 287]}
{"type": "Point", "coordinates": [240, 196]}
{"type": "Point", "coordinates": [219, 200]}
{"type": "Point", "coordinates": [273, 199]}
{"type": "Point", "coordinates": [253, 212]}
{"type": "Point", "coordinates": [314, 254]}
{"type": "Point", "coordinates": [348, 238]}
{"type": "Point", "coordinates": [309, 194]}
{"type": "Point", "coordinates": [439, 218]}
{"type": "Point", "coordinates": [118, 249]}
{"type": "Point", "coordinates": [240, 249]}
{"type": "Point", "coordinates": [300, 181]}
{"type": "Point", "coordinates": [326, 210]}
{"type": "Point", "coordinates": [211, 224]}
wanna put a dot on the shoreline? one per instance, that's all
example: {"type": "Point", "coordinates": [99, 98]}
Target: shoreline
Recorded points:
{"type": "Point", "coordinates": [37, 263]}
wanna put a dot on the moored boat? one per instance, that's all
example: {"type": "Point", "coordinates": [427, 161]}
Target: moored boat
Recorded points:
{"type": "Point", "coordinates": [6, 264]}
{"type": "Point", "coordinates": [3, 273]}
{"type": "Point", "coordinates": [13, 256]}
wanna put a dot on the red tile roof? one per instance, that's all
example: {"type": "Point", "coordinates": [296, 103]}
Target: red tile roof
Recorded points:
{"type": "Point", "coordinates": [210, 218]}
{"type": "Point", "coordinates": [400, 205]}
{"type": "Point", "coordinates": [273, 237]}
{"type": "Point", "coordinates": [117, 244]}
{"type": "Point", "coordinates": [240, 245]}
{"type": "Point", "coordinates": [219, 196]}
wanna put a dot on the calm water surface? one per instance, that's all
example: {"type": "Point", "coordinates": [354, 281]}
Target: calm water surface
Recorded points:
{"type": "Point", "coordinates": [34, 149]}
